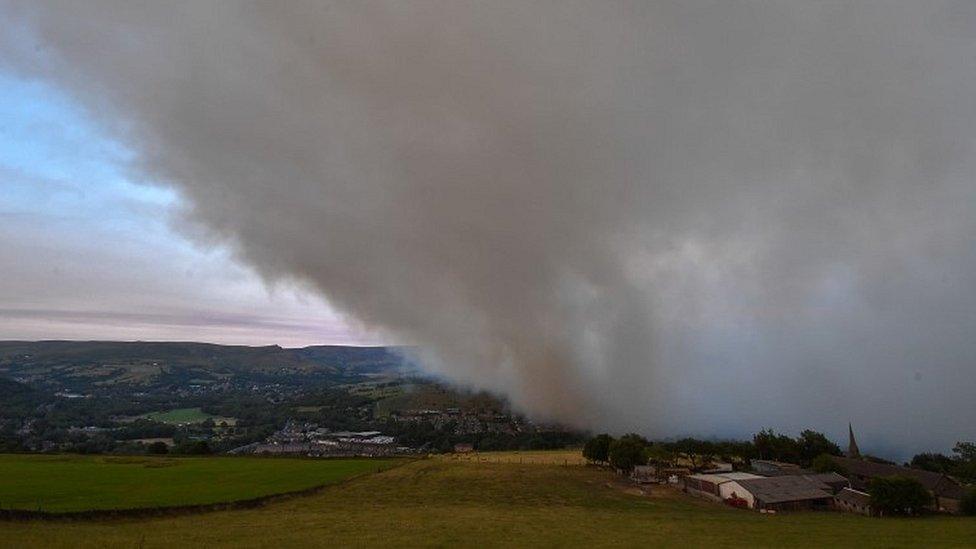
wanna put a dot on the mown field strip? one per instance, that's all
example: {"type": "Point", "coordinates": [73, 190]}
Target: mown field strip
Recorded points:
{"type": "Point", "coordinates": [61, 484]}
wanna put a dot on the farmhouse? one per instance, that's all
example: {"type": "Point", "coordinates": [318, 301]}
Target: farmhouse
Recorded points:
{"type": "Point", "coordinates": [946, 491]}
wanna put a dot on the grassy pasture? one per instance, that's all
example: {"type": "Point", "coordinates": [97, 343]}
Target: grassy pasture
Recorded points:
{"type": "Point", "coordinates": [80, 483]}
{"type": "Point", "coordinates": [524, 457]}
{"type": "Point", "coordinates": [186, 415]}
{"type": "Point", "coordinates": [445, 502]}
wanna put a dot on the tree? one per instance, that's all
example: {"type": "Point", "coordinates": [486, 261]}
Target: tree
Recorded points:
{"type": "Point", "coordinates": [937, 463]}
{"type": "Point", "coordinates": [598, 448]}
{"type": "Point", "coordinates": [965, 471]}
{"type": "Point", "coordinates": [698, 452]}
{"type": "Point", "coordinates": [824, 463]}
{"type": "Point", "coordinates": [898, 495]}
{"type": "Point", "coordinates": [736, 450]}
{"type": "Point", "coordinates": [813, 444]}
{"type": "Point", "coordinates": [158, 447]}
{"type": "Point", "coordinates": [965, 451]}
{"type": "Point", "coordinates": [964, 462]}
{"type": "Point", "coordinates": [967, 505]}
{"type": "Point", "coordinates": [659, 454]}
{"type": "Point", "coordinates": [625, 454]}
{"type": "Point", "coordinates": [770, 445]}
{"type": "Point", "coordinates": [192, 447]}
{"type": "Point", "coordinates": [636, 438]}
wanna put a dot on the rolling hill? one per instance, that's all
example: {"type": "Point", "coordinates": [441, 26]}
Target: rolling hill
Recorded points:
{"type": "Point", "coordinates": [77, 365]}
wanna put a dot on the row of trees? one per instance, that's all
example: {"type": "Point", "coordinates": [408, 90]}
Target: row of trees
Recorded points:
{"type": "Point", "coordinates": [802, 450]}
{"type": "Point", "coordinates": [962, 464]}
{"type": "Point", "coordinates": [906, 496]}
{"type": "Point", "coordinates": [767, 444]}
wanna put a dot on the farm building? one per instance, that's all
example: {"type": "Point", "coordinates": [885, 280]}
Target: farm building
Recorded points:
{"type": "Point", "coordinates": [792, 492]}
{"type": "Point", "coordinates": [714, 486]}
{"type": "Point", "coordinates": [835, 482]}
{"type": "Point", "coordinates": [704, 485]}
{"type": "Point", "coordinates": [786, 493]}
{"type": "Point", "coordinates": [853, 501]}
{"type": "Point", "coordinates": [946, 491]}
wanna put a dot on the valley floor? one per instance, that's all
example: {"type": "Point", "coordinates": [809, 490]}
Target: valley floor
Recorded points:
{"type": "Point", "coordinates": [448, 502]}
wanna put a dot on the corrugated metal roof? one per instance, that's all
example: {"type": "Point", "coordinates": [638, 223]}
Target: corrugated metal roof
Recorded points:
{"type": "Point", "coordinates": [826, 478]}
{"type": "Point", "coordinates": [783, 489]}
{"type": "Point", "coordinates": [714, 479]}
{"type": "Point", "coordinates": [736, 475]}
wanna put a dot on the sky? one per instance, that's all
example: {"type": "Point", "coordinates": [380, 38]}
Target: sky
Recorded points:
{"type": "Point", "coordinates": [670, 217]}
{"type": "Point", "coordinates": [89, 251]}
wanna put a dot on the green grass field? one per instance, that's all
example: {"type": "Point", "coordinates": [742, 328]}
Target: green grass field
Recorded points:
{"type": "Point", "coordinates": [444, 502]}
{"type": "Point", "coordinates": [79, 483]}
{"type": "Point", "coordinates": [185, 415]}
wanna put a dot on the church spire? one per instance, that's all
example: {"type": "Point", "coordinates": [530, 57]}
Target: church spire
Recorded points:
{"type": "Point", "coordinates": [852, 449]}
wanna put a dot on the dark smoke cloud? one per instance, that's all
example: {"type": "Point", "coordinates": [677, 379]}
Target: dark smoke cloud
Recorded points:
{"type": "Point", "coordinates": [664, 216]}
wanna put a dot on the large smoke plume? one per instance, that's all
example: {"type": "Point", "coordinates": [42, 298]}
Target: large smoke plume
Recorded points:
{"type": "Point", "coordinates": [671, 217]}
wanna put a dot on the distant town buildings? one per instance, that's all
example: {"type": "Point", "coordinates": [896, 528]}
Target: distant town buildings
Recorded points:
{"type": "Point", "coordinates": [307, 439]}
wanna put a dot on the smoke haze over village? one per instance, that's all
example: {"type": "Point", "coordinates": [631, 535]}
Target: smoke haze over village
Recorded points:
{"type": "Point", "coordinates": [640, 216]}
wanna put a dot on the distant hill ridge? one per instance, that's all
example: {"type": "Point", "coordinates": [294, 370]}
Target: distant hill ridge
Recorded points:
{"type": "Point", "coordinates": [148, 362]}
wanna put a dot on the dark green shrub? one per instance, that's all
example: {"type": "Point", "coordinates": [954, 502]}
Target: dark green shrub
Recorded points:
{"type": "Point", "coordinates": [898, 495]}
{"type": "Point", "coordinates": [598, 448]}
{"type": "Point", "coordinates": [968, 504]}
